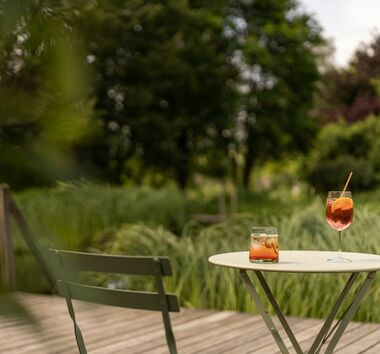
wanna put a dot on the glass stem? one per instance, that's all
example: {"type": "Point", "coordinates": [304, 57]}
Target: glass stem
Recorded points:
{"type": "Point", "coordinates": [340, 244]}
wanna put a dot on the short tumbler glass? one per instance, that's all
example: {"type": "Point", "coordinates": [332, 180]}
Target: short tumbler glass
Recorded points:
{"type": "Point", "coordinates": [264, 245]}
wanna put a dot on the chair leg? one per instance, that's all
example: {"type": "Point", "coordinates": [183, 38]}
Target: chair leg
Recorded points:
{"type": "Point", "coordinates": [169, 333]}
{"type": "Point", "coordinates": [70, 307]}
{"type": "Point", "coordinates": [164, 308]}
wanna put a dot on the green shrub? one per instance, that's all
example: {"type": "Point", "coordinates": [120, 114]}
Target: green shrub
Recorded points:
{"type": "Point", "coordinates": [341, 147]}
{"type": "Point", "coordinates": [329, 175]}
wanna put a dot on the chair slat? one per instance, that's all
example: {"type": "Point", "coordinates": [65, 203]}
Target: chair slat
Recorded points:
{"type": "Point", "coordinates": [133, 265]}
{"type": "Point", "coordinates": [116, 297]}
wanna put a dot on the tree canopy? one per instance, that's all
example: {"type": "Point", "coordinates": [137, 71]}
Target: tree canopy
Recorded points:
{"type": "Point", "coordinates": [353, 92]}
{"type": "Point", "coordinates": [281, 73]}
{"type": "Point", "coordinates": [165, 86]}
{"type": "Point", "coordinates": [146, 91]}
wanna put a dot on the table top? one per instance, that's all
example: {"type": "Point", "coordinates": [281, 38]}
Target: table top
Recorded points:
{"type": "Point", "coordinates": [301, 262]}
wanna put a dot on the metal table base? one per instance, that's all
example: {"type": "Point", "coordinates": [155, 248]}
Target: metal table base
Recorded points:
{"type": "Point", "coordinates": [325, 333]}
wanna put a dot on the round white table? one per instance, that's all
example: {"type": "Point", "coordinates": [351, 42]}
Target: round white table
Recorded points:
{"type": "Point", "coordinates": [301, 262]}
{"type": "Point", "coordinates": [305, 262]}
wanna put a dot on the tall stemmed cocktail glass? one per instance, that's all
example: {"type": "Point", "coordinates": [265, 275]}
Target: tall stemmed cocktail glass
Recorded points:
{"type": "Point", "coordinates": [339, 214]}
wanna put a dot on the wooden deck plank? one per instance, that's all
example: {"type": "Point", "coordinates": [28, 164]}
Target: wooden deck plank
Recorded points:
{"type": "Point", "coordinates": [363, 344]}
{"type": "Point", "coordinates": [131, 341]}
{"type": "Point", "coordinates": [351, 337]}
{"type": "Point", "coordinates": [112, 325]}
{"type": "Point", "coordinates": [251, 328]}
{"type": "Point", "coordinates": [308, 340]}
{"type": "Point", "coordinates": [375, 349]}
{"type": "Point", "coordinates": [54, 318]}
{"type": "Point", "coordinates": [210, 337]}
{"type": "Point", "coordinates": [110, 330]}
{"type": "Point", "coordinates": [158, 337]}
{"type": "Point", "coordinates": [60, 338]}
{"type": "Point", "coordinates": [264, 342]}
{"type": "Point", "coordinates": [304, 331]}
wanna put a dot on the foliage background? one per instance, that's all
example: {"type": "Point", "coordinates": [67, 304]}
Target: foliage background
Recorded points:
{"type": "Point", "coordinates": [151, 92]}
{"type": "Point", "coordinates": [120, 120]}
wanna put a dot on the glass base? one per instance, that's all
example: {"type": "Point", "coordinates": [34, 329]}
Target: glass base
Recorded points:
{"type": "Point", "coordinates": [263, 260]}
{"type": "Point", "coordinates": [339, 259]}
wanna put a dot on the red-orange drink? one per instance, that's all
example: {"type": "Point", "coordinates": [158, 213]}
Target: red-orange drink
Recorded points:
{"type": "Point", "coordinates": [264, 245]}
{"type": "Point", "coordinates": [264, 249]}
{"type": "Point", "coordinates": [339, 212]}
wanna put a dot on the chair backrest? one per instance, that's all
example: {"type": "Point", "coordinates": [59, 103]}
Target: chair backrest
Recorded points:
{"type": "Point", "coordinates": [73, 262]}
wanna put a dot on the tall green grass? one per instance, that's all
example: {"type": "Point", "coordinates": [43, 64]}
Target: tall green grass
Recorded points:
{"type": "Point", "coordinates": [72, 216]}
{"type": "Point", "coordinates": [144, 221]}
{"type": "Point", "coordinates": [202, 285]}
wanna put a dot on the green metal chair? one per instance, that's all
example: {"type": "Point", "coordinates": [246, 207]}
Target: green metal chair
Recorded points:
{"type": "Point", "coordinates": [74, 262]}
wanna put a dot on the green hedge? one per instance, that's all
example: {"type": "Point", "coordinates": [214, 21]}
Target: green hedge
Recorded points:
{"type": "Point", "coordinates": [330, 175]}
{"type": "Point", "coordinates": [341, 147]}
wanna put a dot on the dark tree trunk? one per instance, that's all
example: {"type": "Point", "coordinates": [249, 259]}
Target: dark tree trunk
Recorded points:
{"type": "Point", "coordinates": [247, 169]}
{"type": "Point", "coordinates": [182, 168]}
{"type": "Point", "coordinates": [249, 158]}
{"type": "Point", "coordinates": [182, 177]}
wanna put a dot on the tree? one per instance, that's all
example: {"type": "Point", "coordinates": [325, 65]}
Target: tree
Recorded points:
{"type": "Point", "coordinates": [353, 92]}
{"type": "Point", "coordinates": [279, 65]}
{"type": "Point", "coordinates": [179, 86]}
{"type": "Point", "coordinates": [165, 87]}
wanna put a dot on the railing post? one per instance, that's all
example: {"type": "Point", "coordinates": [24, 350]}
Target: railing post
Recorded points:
{"type": "Point", "coordinates": [8, 274]}
{"type": "Point", "coordinates": [30, 240]}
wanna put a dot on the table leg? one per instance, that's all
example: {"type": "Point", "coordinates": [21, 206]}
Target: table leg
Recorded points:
{"type": "Point", "coordinates": [350, 311]}
{"type": "Point", "coordinates": [279, 314]}
{"type": "Point", "coordinates": [322, 335]}
{"type": "Point", "coordinates": [260, 306]}
{"type": "Point", "coordinates": [326, 326]}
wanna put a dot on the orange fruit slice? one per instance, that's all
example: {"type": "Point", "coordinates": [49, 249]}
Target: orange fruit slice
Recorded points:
{"type": "Point", "coordinates": [271, 242]}
{"type": "Point", "coordinates": [342, 203]}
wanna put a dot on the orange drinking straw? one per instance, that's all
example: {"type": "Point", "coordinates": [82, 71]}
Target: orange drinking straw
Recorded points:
{"type": "Point", "coordinates": [347, 182]}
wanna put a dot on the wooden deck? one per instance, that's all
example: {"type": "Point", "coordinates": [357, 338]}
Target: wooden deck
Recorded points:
{"type": "Point", "coordinates": [109, 330]}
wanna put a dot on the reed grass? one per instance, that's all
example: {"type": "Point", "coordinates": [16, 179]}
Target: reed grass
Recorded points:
{"type": "Point", "coordinates": [143, 221]}
{"type": "Point", "coordinates": [202, 285]}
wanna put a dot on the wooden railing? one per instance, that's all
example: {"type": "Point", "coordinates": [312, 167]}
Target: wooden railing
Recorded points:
{"type": "Point", "coordinates": [9, 210]}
